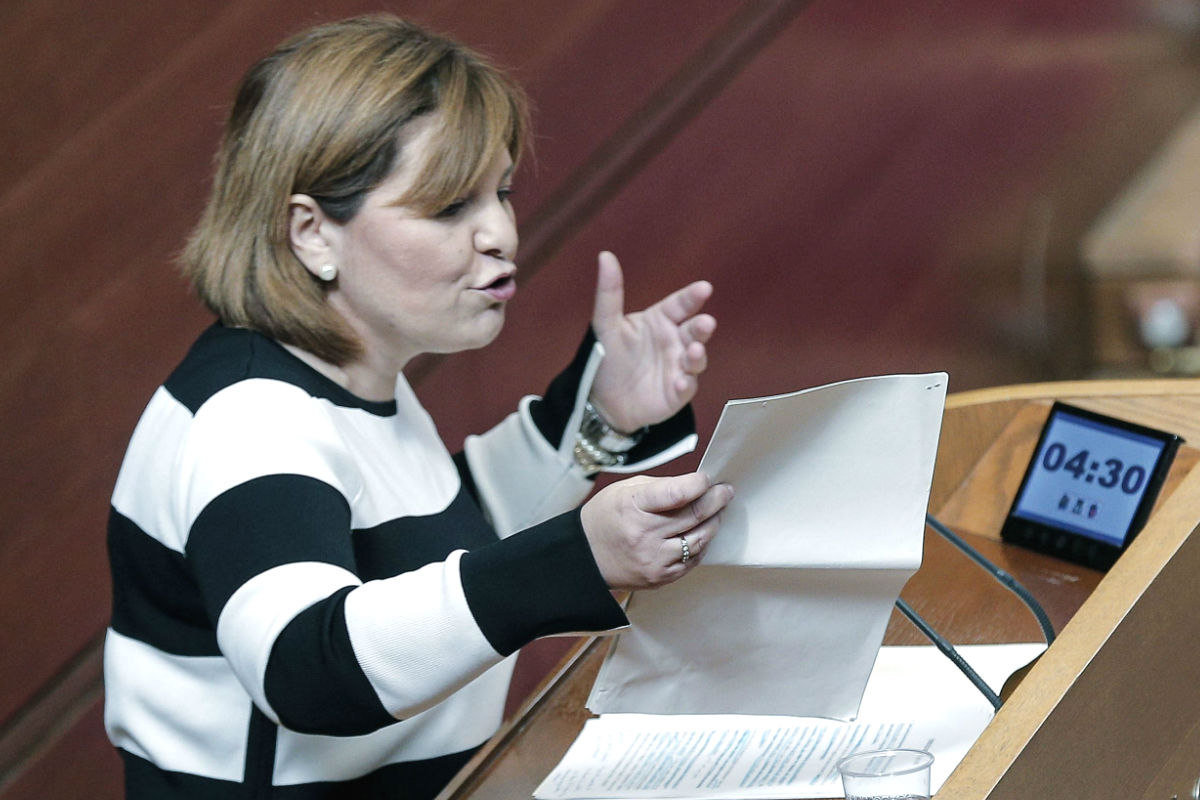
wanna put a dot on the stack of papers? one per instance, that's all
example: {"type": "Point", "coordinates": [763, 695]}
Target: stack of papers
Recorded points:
{"type": "Point", "coordinates": [915, 698]}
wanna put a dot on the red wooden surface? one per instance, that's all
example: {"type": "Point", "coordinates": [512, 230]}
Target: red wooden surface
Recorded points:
{"type": "Point", "coordinates": [864, 189]}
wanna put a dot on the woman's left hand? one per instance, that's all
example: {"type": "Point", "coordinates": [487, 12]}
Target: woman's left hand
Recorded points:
{"type": "Point", "coordinates": [652, 357]}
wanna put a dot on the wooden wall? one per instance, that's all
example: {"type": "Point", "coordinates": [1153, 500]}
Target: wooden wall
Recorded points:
{"type": "Point", "coordinates": [872, 187]}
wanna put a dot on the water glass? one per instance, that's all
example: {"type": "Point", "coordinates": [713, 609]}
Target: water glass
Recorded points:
{"type": "Point", "coordinates": [896, 774]}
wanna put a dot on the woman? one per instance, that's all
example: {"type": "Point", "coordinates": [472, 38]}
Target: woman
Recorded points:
{"type": "Point", "coordinates": [312, 597]}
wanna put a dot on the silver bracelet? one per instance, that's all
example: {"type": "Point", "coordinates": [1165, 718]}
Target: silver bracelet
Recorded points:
{"type": "Point", "coordinates": [598, 445]}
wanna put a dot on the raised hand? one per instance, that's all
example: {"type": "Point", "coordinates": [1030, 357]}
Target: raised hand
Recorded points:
{"type": "Point", "coordinates": [640, 528]}
{"type": "Point", "coordinates": [652, 357]}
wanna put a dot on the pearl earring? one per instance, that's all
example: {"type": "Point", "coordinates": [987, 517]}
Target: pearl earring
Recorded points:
{"type": "Point", "coordinates": [327, 272]}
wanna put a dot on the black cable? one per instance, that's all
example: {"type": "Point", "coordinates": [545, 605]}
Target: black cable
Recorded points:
{"type": "Point", "coordinates": [1005, 579]}
{"type": "Point", "coordinates": [948, 650]}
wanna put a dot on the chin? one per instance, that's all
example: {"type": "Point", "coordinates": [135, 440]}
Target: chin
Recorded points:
{"type": "Point", "coordinates": [480, 336]}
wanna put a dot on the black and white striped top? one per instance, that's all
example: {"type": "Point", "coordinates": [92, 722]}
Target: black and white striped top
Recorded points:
{"type": "Point", "coordinates": [310, 593]}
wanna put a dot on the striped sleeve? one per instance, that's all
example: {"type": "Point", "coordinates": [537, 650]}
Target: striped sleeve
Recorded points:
{"type": "Point", "coordinates": [524, 469]}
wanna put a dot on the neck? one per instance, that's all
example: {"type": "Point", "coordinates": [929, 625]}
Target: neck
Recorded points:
{"type": "Point", "coordinates": [359, 378]}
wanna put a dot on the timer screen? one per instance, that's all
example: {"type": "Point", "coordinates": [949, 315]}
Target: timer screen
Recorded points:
{"type": "Point", "coordinates": [1089, 477]}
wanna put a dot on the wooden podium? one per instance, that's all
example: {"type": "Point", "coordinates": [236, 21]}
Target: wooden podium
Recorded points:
{"type": "Point", "coordinates": [1111, 710]}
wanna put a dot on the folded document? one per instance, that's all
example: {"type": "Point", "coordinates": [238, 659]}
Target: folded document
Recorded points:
{"type": "Point", "coordinates": [787, 611]}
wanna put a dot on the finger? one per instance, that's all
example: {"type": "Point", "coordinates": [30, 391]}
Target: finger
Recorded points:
{"type": "Point", "coordinates": [670, 494]}
{"type": "Point", "coordinates": [706, 507]}
{"type": "Point", "coordinates": [701, 536]}
{"type": "Point", "coordinates": [683, 303]}
{"type": "Point", "coordinates": [610, 293]}
{"type": "Point", "coordinates": [697, 539]}
{"type": "Point", "coordinates": [685, 387]}
{"type": "Point", "coordinates": [697, 514]}
{"type": "Point", "coordinates": [695, 358]}
{"type": "Point", "coordinates": [699, 328]}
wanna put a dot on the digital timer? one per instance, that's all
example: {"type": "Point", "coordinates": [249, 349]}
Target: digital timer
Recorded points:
{"type": "Point", "coordinates": [1090, 485]}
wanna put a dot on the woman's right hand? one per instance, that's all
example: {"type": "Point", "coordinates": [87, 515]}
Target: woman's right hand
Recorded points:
{"type": "Point", "coordinates": [637, 527]}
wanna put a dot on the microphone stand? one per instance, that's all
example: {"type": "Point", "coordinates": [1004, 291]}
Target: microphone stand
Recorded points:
{"type": "Point", "coordinates": [1002, 577]}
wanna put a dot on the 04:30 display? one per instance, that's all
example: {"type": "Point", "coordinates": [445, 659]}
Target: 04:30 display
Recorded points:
{"type": "Point", "coordinates": [1109, 474]}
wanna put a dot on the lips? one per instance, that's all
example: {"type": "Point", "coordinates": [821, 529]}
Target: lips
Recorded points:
{"type": "Point", "coordinates": [501, 289]}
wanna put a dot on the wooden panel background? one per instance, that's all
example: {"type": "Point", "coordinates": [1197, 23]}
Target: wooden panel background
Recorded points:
{"type": "Point", "coordinates": [871, 186]}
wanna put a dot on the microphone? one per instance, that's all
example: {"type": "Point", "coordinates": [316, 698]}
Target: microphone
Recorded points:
{"type": "Point", "coordinates": [1002, 577]}
{"type": "Point", "coordinates": [947, 649]}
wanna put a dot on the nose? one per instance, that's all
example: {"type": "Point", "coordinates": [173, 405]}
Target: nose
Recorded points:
{"type": "Point", "coordinates": [496, 233]}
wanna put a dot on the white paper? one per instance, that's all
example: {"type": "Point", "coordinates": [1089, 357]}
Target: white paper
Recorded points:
{"type": "Point", "coordinates": [915, 698]}
{"type": "Point", "coordinates": [787, 611]}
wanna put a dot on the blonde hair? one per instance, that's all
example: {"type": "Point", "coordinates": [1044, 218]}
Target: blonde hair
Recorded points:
{"type": "Point", "coordinates": [322, 115]}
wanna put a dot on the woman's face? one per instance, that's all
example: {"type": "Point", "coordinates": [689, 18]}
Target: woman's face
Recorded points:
{"type": "Point", "coordinates": [411, 283]}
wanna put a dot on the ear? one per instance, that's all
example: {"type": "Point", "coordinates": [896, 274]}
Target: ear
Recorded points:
{"type": "Point", "coordinates": [312, 233]}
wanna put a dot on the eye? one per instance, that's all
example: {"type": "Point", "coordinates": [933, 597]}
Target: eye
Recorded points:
{"type": "Point", "coordinates": [505, 194]}
{"type": "Point", "coordinates": [452, 210]}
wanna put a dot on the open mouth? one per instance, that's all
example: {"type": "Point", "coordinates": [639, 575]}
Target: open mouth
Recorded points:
{"type": "Point", "coordinates": [503, 288]}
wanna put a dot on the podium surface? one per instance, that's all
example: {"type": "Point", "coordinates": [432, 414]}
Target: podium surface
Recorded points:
{"type": "Point", "coordinates": [1111, 710]}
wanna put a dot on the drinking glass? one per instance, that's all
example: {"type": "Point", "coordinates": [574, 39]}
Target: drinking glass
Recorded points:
{"type": "Point", "coordinates": [895, 774]}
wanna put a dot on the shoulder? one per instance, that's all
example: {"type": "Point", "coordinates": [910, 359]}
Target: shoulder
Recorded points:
{"type": "Point", "coordinates": [223, 358]}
